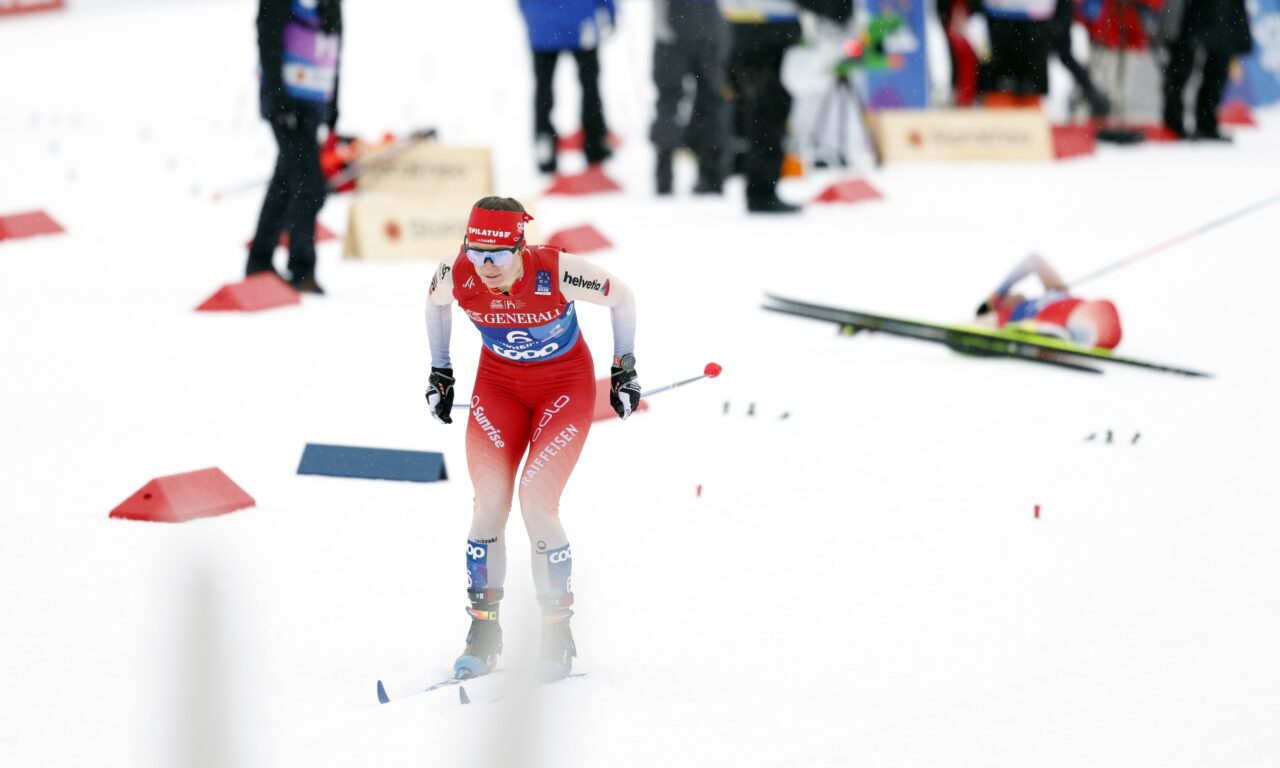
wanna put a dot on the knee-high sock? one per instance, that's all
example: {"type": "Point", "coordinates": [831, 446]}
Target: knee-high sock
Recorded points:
{"type": "Point", "coordinates": [552, 559]}
{"type": "Point", "coordinates": [487, 550]}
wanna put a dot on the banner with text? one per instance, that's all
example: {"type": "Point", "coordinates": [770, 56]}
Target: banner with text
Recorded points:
{"type": "Point", "coordinates": [963, 134]}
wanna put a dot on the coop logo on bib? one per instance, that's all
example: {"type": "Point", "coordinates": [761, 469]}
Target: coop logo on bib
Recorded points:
{"type": "Point", "coordinates": [521, 346]}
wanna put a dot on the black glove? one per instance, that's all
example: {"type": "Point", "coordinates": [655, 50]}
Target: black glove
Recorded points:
{"type": "Point", "coordinates": [992, 303]}
{"type": "Point", "coordinates": [440, 394]}
{"type": "Point", "coordinates": [624, 390]}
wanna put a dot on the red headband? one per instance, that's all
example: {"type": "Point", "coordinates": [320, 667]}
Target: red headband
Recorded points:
{"type": "Point", "coordinates": [487, 227]}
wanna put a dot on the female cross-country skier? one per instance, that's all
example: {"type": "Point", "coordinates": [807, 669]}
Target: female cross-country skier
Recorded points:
{"type": "Point", "coordinates": [534, 392]}
{"type": "Point", "coordinates": [1089, 323]}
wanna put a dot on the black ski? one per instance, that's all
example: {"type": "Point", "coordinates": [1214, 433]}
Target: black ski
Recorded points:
{"type": "Point", "coordinates": [957, 344]}
{"type": "Point", "coordinates": [971, 339]}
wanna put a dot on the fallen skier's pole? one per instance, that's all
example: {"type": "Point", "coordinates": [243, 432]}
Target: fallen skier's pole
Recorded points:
{"type": "Point", "coordinates": [1200, 230]}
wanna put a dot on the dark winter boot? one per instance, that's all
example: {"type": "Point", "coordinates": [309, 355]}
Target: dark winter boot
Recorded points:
{"type": "Point", "coordinates": [708, 184]}
{"type": "Point", "coordinates": [710, 176]}
{"type": "Point", "coordinates": [258, 264]}
{"type": "Point", "coordinates": [555, 658]}
{"type": "Point", "coordinates": [662, 174]}
{"type": "Point", "coordinates": [770, 204]}
{"type": "Point", "coordinates": [484, 640]}
{"type": "Point", "coordinates": [544, 147]}
{"type": "Point", "coordinates": [306, 284]}
{"type": "Point", "coordinates": [1099, 104]}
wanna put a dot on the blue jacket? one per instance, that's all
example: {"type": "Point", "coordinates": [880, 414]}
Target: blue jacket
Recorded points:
{"type": "Point", "coordinates": [566, 25]}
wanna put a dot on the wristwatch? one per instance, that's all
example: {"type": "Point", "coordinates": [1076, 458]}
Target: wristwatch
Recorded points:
{"type": "Point", "coordinates": [627, 362]}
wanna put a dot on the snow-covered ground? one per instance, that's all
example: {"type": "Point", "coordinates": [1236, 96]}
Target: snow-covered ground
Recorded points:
{"type": "Point", "coordinates": [861, 583]}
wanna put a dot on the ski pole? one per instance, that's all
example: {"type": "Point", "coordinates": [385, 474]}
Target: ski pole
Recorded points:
{"type": "Point", "coordinates": [384, 157]}
{"type": "Point", "coordinates": [710, 372]}
{"type": "Point", "coordinates": [386, 154]}
{"type": "Point", "coordinates": [247, 186]}
{"type": "Point", "coordinates": [1175, 240]}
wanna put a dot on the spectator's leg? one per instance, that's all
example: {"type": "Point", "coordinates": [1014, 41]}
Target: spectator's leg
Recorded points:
{"type": "Point", "coordinates": [1213, 81]}
{"type": "Point", "coordinates": [1099, 104]}
{"type": "Point", "coordinates": [709, 121]}
{"type": "Point", "coordinates": [669, 67]}
{"type": "Point", "coordinates": [271, 220]}
{"type": "Point", "coordinates": [595, 144]}
{"type": "Point", "coordinates": [767, 106]}
{"type": "Point", "coordinates": [544, 133]}
{"type": "Point", "coordinates": [1181, 56]}
{"type": "Point", "coordinates": [311, 189]}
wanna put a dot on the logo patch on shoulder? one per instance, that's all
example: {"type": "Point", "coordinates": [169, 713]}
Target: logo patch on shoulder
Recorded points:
{"type": "Point", "coordinates": [605, 289]}
{"type": "Point", "coordinates": [542, 283]}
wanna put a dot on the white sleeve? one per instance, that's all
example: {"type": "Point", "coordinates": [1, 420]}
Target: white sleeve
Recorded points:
{"type": "Point", "coordinates": [440, 315]}
{"type": "Point", "coordinates": [580, 280]}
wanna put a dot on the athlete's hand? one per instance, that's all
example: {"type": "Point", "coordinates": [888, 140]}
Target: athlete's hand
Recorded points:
{"type": "Point", "coordinates": [992, 303]}
{"type": "Point", "coordinates": [440, 394]}
{"type": "Point", "coordinates": [624, 391]}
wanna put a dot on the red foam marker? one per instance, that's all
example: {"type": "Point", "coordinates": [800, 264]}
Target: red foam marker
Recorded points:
{"type": "Point", "coordinates": [1236, 112]}
{"type": "Point", "coordinates": [581, 239]}
{"type": "Point", "coordinates": [699, 490]}
{"type": "Point", "coordinates": [712, 370]}
{"type": "Point", "coordinates": [591, 181]}
{"type": "Point", "coordinates": [264, 290]}
{"type": "Point", "coordinates": [578, 139]}
{"type": "Point", "coordinates": [1037, 511]}
{"type": "Point", "coordinates": [850, 191]}
{"type": "Point", "coordinates": [29, 224]}
{"type": "Point", "coordinates": [323, 234]}
{"type": "Point", "coordinates": [185, 496]}
{"type": "Point", "coordinates": [1074, 140]}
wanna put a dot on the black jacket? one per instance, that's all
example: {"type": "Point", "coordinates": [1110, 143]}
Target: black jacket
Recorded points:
{"type": "Point", "coordinates": [272, 17]}
{"type": "Point", "coordinates": [1219, 25]}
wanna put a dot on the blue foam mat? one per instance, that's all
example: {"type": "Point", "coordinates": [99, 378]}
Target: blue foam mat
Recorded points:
{"type": "Point", "coordinates": [372, 463]}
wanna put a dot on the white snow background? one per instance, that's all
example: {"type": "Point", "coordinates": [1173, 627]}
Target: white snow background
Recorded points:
{"type": "Point", "coordinates": [862, 583]}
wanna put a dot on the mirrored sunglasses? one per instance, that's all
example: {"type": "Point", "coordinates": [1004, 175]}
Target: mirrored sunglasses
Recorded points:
{"type": "Point", "coordinates": [499, 258]}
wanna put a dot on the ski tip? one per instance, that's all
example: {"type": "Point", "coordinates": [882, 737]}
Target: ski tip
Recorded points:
{"type": "Point", "coordinates": [382, 694]}
{"type": "Point", "coordinates": [463, 698]}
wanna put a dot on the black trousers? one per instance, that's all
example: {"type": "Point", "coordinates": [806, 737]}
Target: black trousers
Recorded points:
{"type": "Point", "coordinates": [1060, 44]}
{"type": "Point", "coordinates": [294, 197]}
{"type": "Point", "coordinates": [1019, 57]}
{"type": "Point", "coordinates": [699, 53]}
{"type": "Point", "coordinates": [1213, 81]}
{"type": "Point", "coordinates": [593, 125]}
{"type": "Point", "coordinates": [763, 104]}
